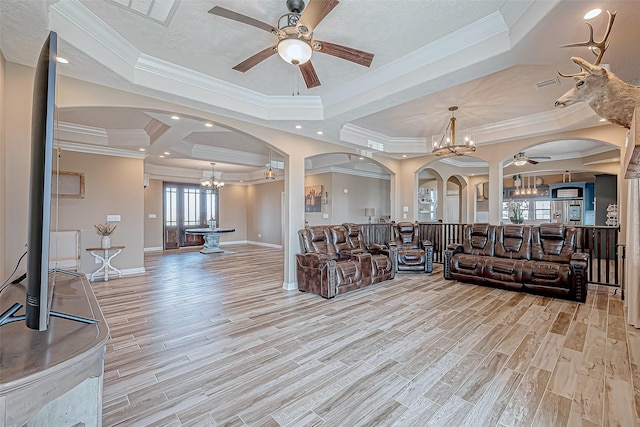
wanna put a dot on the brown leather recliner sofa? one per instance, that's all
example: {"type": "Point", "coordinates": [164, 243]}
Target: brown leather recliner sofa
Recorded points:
{"type": "Point", "coordinates": [414, 255]}
{"type": "Point", "coordinates": [537, 259]}
{"type": "Point", "coordinates": [333, 262]}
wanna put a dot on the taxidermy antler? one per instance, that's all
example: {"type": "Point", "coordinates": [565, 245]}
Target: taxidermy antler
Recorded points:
{"type": "Point", "coordinates": [606, 94]}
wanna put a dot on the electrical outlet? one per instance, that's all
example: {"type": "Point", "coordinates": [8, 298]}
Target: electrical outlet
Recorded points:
{"type": "Point", "coordinates": [325, 216]}
{"type": "Point", "coordinates": [113, 218]}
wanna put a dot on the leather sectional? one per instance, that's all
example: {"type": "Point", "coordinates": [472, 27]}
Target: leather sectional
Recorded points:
{"type": "Point", "coordinates": [538, 259]}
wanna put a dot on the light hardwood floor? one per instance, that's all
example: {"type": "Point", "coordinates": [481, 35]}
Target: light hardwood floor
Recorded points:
{"type": "Point", "coordinates": [214, 340]}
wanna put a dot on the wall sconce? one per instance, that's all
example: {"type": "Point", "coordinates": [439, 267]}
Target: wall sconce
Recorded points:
{"type": "Point", "coordinates": [369, 212]}
{"type": "Point", "coordinates": [325, 199]}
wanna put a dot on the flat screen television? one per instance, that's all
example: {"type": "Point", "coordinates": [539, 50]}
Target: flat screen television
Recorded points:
{"type": "Point", "coordinates": [39, 282]}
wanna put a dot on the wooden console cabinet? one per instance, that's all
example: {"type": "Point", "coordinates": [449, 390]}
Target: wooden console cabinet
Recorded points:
{"type": "Point", "coordinates": [53, 378]}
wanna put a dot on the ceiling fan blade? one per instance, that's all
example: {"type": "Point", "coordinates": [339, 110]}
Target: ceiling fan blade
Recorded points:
{"type": "Point", "coordinates": [254, 60]}
{"type": "Point", "coordinates": [235, 16]}
{"type": "Point", "coordinates": [343, 52]}
{"type": "Point", "coordinates": [315, 12]}
{"type": "Point", "coordinates": [309, 74]}
{"type": "Point", "coordinates": [533, 162]}
{"type": "Point", "coordinates": [541, 157]}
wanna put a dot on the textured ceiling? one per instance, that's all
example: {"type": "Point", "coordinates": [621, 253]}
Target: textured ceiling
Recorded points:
{"type": "Point", "coordinates": [483, 56]}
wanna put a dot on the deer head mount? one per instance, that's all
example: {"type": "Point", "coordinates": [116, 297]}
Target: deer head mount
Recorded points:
{"type": "Point", "coordinates": [610, 97]}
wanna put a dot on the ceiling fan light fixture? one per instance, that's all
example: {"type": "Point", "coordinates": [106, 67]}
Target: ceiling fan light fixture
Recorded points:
{"type": "Point", "coordinates": [294, 50]}
{"type": "Point", "coordinates": [519, 161]}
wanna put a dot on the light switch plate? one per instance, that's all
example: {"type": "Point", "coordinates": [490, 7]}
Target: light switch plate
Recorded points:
{"type": "Point", "coordinates": [405, 209]}
{"type": "Point", "coordinates": [151, 216]}
{"type": "Point", "coordinates": [325, 216]}
{"type": "Point", "coordinates": [113, 218]}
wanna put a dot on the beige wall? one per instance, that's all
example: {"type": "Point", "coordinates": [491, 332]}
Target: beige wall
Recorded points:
{"type": "Point", "coordinates": [153, 229]}
{"type": "Point", "coordinates": [233, 212]}
{"type": "Point", "coordinates": [113, 186]}
{"type": "Point", "coordinates": [17, 134]}
{"type": "Point", "coordinates": [361, 192]}
{"type": "Point", "coordinates": [264, 213]}
{"type": "Point", "coordinates": [3, 169]}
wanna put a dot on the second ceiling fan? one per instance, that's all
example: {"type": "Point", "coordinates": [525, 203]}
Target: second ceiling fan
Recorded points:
{"type": "Point", "coordinates": [295, 38]}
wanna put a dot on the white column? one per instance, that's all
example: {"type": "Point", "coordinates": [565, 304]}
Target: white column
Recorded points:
{"type": "Point", "coordinates": [495, 192]}
{"type": "Point", "coordinates": [294, 216]}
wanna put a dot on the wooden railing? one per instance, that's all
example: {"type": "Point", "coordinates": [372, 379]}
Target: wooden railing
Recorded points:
{"type": "Point", "coordinates": [606, 256]}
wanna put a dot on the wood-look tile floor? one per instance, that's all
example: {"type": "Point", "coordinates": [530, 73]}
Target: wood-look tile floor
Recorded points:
{"type": "Point", "coordinates": [214, 340]}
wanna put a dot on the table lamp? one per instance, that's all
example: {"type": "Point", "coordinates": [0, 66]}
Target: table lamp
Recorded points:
{"type": "Point", "coordinates": [369, 212]}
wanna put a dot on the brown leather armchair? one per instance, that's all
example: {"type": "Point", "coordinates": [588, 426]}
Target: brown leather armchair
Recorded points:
{"type": "Point", "coordinates": [383, 260]}
{"type": "Point", "coordinates": [322, 270]}
{"type": "Point", "coordinates": [414, 255]}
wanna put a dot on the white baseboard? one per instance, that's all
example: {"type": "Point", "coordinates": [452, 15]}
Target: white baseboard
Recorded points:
{"type": "Point", "coordinates": [289, 286]}
{"type": "Point", "coordinates": [268, 245]}
{"type": "Point", "coordinates": [125, 272]}
{"type": "Point", "coordinates": [154, 249]}
{"type": "Point", "coordinates": [251, 242]}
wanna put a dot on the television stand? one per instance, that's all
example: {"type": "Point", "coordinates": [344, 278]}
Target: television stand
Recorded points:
{"type": "Point", "coordinates": [9, 315]}
{"type": "Point", "coordinates": [54, 376]}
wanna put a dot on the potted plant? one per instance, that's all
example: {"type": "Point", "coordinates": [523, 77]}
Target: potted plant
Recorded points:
{"type": "Point", "coordinates": [105, 231]}
{"type": "Point", "coordinates": [516, 216]}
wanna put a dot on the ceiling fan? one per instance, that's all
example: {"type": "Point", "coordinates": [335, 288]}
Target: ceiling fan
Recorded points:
{"type": "Point", "coordinates": [521, 159]}
{"type": "Point", "coordinates": [295, 38]}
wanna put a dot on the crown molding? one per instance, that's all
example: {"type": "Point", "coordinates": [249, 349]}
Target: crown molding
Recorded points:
{"type": "Point", "coordinates": [345, 171]}
{"type": "Point", "coordinates": [71, 132]}
{"type": "Point", "coordinates": [225, 155]}
{"type": "Point", "coordinates": [80, 27]}
{"type": "Point", "coordinates": [98, 149]}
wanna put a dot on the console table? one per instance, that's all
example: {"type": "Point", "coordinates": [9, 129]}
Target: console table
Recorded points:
{"type": "Point", "coordinates": [211, 238]}
{"type": "Point", "coordinates": [54, 377]}
{"type": "Point", "coordinates": [105, 258]}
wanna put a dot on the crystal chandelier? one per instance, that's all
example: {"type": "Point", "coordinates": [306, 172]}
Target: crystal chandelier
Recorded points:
{"type": "Point", "coordinates": [211, 183]}
{"type": "Point", "coordinates": [446, 145]}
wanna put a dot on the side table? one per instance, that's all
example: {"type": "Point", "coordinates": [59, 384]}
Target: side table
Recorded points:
{"type": "Point", "coordinates": [105, 258]}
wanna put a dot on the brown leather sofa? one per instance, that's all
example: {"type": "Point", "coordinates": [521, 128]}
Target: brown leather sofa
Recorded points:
{"type": "Point", "coordinates": [537, 259]}
{"type": "Point", "coordinates": [383, 260]}
{"type": "Point", "coordinates": [330, 263]}
{"type": "Point", "coordinates": [414, 255]}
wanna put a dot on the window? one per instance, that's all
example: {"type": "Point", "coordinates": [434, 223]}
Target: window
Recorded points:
{"type": "Point", "coordinates": [191, 206]}
{"type": "Point", "coordinates": [543, 209]}
{"type": "Point", "coordinates": [170, 206]}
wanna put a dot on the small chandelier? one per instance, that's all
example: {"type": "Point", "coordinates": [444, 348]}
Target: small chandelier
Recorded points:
{"type": "Point", "coordinates": [270, 173]}
{"type": "Point", "coordinates": [212, 184]}
{"type": "Point", "coordinates": [446, 145]}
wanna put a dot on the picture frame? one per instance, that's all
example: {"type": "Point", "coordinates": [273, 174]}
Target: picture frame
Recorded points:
{"type": "Point", "coordinates": [67, 184]}
{"type": "Point", "coordinates": [313, 198]}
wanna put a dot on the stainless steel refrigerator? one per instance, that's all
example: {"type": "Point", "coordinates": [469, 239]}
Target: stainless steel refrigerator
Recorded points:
{"type": "Point", "coordinates": [567, 212]}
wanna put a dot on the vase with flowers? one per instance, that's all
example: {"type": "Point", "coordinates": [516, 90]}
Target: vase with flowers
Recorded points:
{"type": "Point", "coordinates": [105, 231]}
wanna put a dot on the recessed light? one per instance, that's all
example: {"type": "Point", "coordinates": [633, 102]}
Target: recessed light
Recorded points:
{"type": "Point", "coordinates": [167, 153]}
{"type": "Point", "coordinates": [592, 13]}
{"type": "Point", "coordinates": [161, 156]}
{"type": "Point", "coordinates": [603, 120]}
{"type": "Point", "coordinates": [241, 181]}
{"type": "Point", "coordinates": [141, 149]}
{"type": "Point", "coordinates": [404, 156]}
{"type": "Point", "coordinates": [319, 132]}
{"type": "Point", "coordinates": [361, 158]}
{"type": "Point", "coordinates": [298, 127]}
{"type": "Point", "coordinates": [209, 125]}
{"type": "Point", "coordinates": [61, 60]}
{"type": "Point", "coordinates": [175, 117]}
